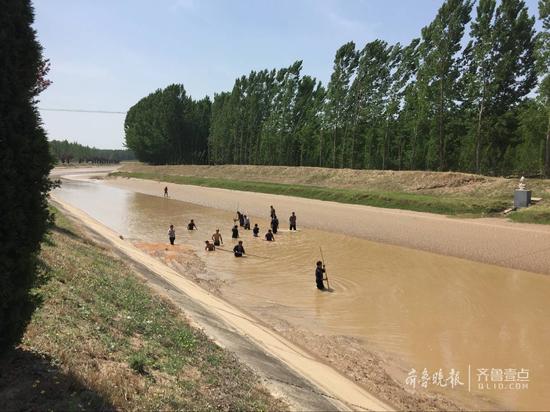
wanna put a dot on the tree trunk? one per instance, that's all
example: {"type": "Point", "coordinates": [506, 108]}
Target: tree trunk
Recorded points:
{"type": "Point", "coordinates": [352, 154]}
{"type": "Point", "coordinates": [413, 144]}
{"type": "Point", "coordinates": [334, 150]}
{"type": "Point", "coordinates": [400, 152]}
{"type": "Point", "coordinates": [241, 148]}
{"type": "Point", "coordinates": [547, 157]}
{"type": "Point", "coordinates": [321, 148]}
{"type": "Point", "coordinates": [478, 137]}
{"type": "Point", "coordinates": [344, 147]}
{"type": "Point", "coordinates": [478, 133]}
{"type": "Point", "coordinates": [384, 145]}
{"type": "Point", "coordinates": [441, 134]}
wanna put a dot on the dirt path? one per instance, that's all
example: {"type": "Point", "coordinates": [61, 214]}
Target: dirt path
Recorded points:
{"type": "Point", "coordinates": [489, 240]}
{"type": "Point", "coordinates": [342, 392]}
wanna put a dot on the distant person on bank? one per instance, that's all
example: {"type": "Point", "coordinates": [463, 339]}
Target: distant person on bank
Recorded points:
{"type": "Point", "coordinates": [166, 191]}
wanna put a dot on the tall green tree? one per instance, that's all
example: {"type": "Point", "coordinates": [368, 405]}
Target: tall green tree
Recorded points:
{"type": "Point", "coordinates": [25, 163]}
{"type": "Point", "coordinates": [543, 68]}
{"type": "Point", "coordinates": [169, 127]}
{"type": "Point", "coordinates": [480, 77]}
{"type": "Point", "coordinates": [337, 106]}
{"type": "Point", "coordinates": [441, 70]}
{"type": "Point", "coordinates": [500, 73]}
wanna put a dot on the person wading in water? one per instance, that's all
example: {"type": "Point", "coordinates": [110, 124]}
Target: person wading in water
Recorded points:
{"type": "Point", "coordinates": [217, 238]}
{"type": "Point", "coordinates": [240, 218]}
{"type": "Point", "coordinates": [191, 225]}
{"type": "Point", "coordinates": [238, 250]}
{"type": "Point", "coordinates": [275, 224]}
{"type": "Point", "coordinates": [209, 246]}
{"type": "Point", "coordinates": [269, 236]}
{"type": "Point", "coordinates": [235, 232]}
{"type": "Point", "coordinates": [320, 275]}
{"type": "Point", "coordinates": [292, 221]}
{"type": "Point", "coordinates": [256, 230]}
{"type": "Point", "coordinates": [172, 234]}
{"type": "Point", "coordinates": [272, 212]}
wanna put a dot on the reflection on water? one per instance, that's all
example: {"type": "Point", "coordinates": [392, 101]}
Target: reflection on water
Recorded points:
{"type": "Point", "coordinates": [430, 310]}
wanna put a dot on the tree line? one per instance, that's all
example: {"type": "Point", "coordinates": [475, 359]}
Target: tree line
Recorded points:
{"type": "Point", "coordinates": [65, 152]}
{"type": "Point", "coordinates": [471, 93]}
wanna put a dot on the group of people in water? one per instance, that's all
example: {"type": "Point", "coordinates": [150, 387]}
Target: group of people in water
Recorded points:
{"type": "Point", "coordinates": [243, 221]}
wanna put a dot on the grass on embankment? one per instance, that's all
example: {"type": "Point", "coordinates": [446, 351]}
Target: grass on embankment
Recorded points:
{"type": "Point", "coordinates": [448, 205]}
{"type": "Point", "coordinates": [102, 340]}
{"type": "Point", "coordinates": [533, 214]}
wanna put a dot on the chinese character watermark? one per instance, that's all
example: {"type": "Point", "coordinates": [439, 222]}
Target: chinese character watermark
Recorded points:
{"type": "Point", "coordinates": [481, 379]}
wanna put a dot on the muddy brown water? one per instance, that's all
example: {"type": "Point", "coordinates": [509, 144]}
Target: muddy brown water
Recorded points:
{"type": "Point", "coordinates": [430, 311]}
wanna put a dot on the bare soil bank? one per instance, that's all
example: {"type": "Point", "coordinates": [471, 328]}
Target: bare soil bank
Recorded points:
{"type": "Point", "coordinates": [449, 183]}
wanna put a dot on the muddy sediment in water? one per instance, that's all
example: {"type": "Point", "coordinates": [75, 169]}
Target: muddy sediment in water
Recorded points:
{"type": "Point", "coordinates": [393, 309]}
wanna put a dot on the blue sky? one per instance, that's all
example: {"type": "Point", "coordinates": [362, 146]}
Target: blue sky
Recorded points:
{"type": "Point", "coordinates": [107, 54]}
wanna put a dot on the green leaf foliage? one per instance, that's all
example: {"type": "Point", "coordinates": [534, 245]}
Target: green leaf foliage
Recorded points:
{"type": "Point", "coordinates": [25, 163]}
{"type": "Point", "coordinates": [469, 94]}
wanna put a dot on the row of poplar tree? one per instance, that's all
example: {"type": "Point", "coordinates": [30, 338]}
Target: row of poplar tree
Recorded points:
{"type": "Point", "coordinates": [64, 151]}
{"type": "Point", "coordinates": [472, 93]}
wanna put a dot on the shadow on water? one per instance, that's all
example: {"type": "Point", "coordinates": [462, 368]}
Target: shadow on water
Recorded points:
{"type": "Point", "coordinates": [32, 381]}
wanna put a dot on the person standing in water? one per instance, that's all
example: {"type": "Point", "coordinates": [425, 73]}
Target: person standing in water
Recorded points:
{"type": "Point", "coordinates": [246, 222]}
{"type": "Point", "coordinates": [191, 225]}
{"type": "Point", "coordinates": [240, 217]}
{"type": "Point", "coordinates": [238, 250]}
{"type": "Point", "coordinates": [217, 238]}
{"type": "Point", "coordinates": [165, 191]}
{"type": "Point", "coordinates": [209, 246]}
{"type": "Point", "coordinates": [292, 221]}
{"type": "Point", "coordinates": [320, 275]}
{"type": "Point", "coordinates": [272, 213]}
{"type": "Point", "coordinates": [172, 234]}
{"type": "Point", "coordinates": [256, 230]}
{"type": "Point", "coordinates": [235, 232]}
{"type": "Point", "coordinates": [269, 236]}
{"type": "Point", "coordinates": [275, 224]}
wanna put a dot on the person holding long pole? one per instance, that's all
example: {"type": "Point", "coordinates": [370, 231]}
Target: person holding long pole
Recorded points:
{"type": "Point", "coordinates": [320, 275]}
{"type": "Point", "coordinates": [323, 267]}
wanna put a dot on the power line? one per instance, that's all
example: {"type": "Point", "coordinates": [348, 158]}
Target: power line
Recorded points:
{"type": "Point", "coordinates": [80, 111]}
